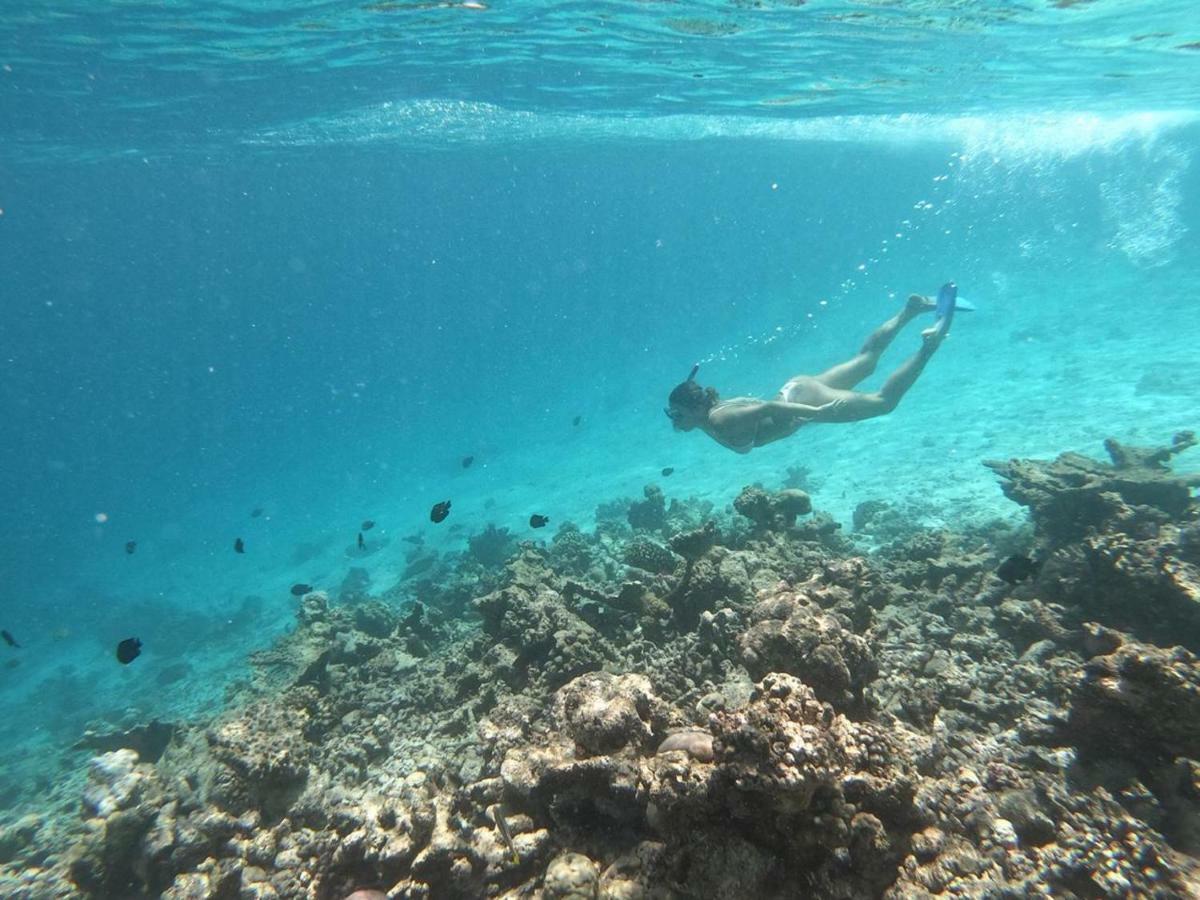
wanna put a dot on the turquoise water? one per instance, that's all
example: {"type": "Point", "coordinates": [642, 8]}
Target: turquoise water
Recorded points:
{"type": "Point", "coordinates": [304, 259]}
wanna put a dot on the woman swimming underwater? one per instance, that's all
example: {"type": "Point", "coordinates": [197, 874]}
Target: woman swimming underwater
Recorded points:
{"type": "Point", "coordinates": [743, 423]}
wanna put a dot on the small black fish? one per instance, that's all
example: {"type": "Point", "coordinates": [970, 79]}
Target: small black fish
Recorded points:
{"type": "Point", "coordinates": [128, 650]}
{"type": "Point", "coordinates": [467, 460]}
{"type": "Point", "coordinates": [536, 521]}
{"type": "Point", "coordinates": [439, 511]}
{"type": "Point", "coordinates": [417, 539]}
{"type": "Point", "coordinates": [299, 590]}
{"type": "Point", "coordinates": [239, 546]}
{"type": "Point", "coordinates": [667, 471]}
{"type": "Point", "coordinates": [1017, 568]}
{"type": "Point", "coordinates": [10, 640]}
{"type": "Point", "coordinates": [367, 525]}
{"type": "Point", "coordinates": [362, 545]}
{"type": "Point", "coordinates": [256, 512]}
{"type": "Point", "coordinates": [575, 421]}
{"type": "Point", "coordinates": [130, 546]}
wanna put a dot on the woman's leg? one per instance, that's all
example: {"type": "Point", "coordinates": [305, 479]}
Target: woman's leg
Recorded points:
{"type": "Point", "coordinates": [853, 406]}
{"type": "Point", "coordinates": [846, 375]}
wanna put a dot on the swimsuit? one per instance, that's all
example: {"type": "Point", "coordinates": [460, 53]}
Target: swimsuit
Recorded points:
{"type": "Point", "coordinates": [786, 392]}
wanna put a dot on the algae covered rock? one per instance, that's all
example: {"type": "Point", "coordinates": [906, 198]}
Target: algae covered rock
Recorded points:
{"type": "Point", "coordinates": [571, 876]}
{"type": "Point", "coordinates": [552, 642]}
{"type": "Point", "coordinates": [693, 544]}
{"type": "Point", "coordinates": [123, 798]}
{"type": "Point", "coordinates": [772, 510]}
{"type": "Point", "coordinates": [1073, 493]}
{"type": "Point", "coordinates": [1141, 701]}
{"type": "Point", "coordinates": [605, 713]}
{"type": "Point", "coordinates": [794, 792]}
{"type": "Point", "coordinates": [789, 633]}
{"type": "Point", "coordinates": [262, 761]}
{"type": "Point", "coordinates": [649, 514]}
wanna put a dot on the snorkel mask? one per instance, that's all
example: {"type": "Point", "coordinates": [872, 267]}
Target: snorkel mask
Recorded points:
{"type": "Point", "coordinates": [691, 377]}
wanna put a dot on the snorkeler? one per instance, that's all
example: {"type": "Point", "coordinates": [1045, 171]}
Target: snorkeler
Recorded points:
{"type": "Point", "coordinates": [743, 423]}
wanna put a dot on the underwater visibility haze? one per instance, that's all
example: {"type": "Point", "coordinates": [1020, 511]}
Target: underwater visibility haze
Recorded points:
{"type": "Point", "coordinates": [348, 552]}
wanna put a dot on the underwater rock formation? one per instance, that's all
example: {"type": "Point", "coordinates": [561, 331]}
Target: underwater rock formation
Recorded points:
{"type": "Point", "coordinates": [1120, 541]}
{"type": "Point", "coordinates": [551, 642]}
{"type": "Point", "coordinates": [492, 546]}
{"type": "Point", "coordinates": [1139, 701]}
{"type": "Point", "coordinates": [775, 714]}
{"type": "Point", "coordinates": [649, 514]}
{"type": "Point", "coordinates": [1072, 494]}
{"type": "Point", "coordinates": [772, 510]}
{"type": "Point", "coordinates": [790, 632]}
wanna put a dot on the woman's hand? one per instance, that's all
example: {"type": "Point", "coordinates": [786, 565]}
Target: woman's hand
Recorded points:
{"type": "Point", "coordinates": [831, 411]}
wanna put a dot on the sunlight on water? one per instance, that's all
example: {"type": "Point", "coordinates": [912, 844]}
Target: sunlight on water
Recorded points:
{"type": "Point", "coordinates": [1142, 205]}
{"type": "Point", "coordinates": [1020, 137]}
{"type": "Point", "coordinates": [1007, 164]}
{"type": "Point", "coordinates": [1029, 138]}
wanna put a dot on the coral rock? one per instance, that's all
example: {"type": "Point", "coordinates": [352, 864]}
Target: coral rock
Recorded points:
{"type": "Point", "coordinates": [571, 876]}
{"type": "Point", "coordinates": [649, 514]}
{"type": "Point", "coordinates": [772, 510]}
{"type": "Point", "coordinates": [603, 713]}
{"type": "Point", "coordinates": [1140, 700]}
{"type": "Point", "coordinates": [791, 633]}
{"type": "Point", "coordinates": [114, 783]}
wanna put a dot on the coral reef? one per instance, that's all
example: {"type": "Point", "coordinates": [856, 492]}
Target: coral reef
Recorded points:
{"type": "Point", "coordinates": [791, 632]}
{"type": "Point", "coordinates": [772, 510]}
{"type": "Point", "coordinates": [649, 514]}
{"type": "Point", "coordinates": [757, 707]}
{"type": "Point", "coordinates": [1072, 494]}
{"type": "Point", "coordinates": [492, 546]}
{"type": "Point", "coordinates": [1110, 533]}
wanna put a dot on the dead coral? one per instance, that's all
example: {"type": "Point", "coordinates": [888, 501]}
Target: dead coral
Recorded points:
{"type": "Point", "coordinates": [1073, 493]}
{"type": "Point", "coordinates": [789, 632]}
{"type": "Point", "coordinates": [492, 547]}
{"type": "Point", "coordinates": [772, 510]}
{"type": "Point", "coordinates": [649, 514]}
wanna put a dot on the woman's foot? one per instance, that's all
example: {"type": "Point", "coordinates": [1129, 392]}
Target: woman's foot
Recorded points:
{"type": "Point", "coordinates": [933, 335]}
{"type": "Point", "coordinates": [947, 302]}
{"type": "Point", "coordinates": [917, 304]}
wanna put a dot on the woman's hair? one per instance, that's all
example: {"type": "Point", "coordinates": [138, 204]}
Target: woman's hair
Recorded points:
{"type": "Point", "coordinates": [689, 395]}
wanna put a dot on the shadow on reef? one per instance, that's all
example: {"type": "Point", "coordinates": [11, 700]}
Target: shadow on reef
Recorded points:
{"type": "Point", "coordinates": [691, 702]}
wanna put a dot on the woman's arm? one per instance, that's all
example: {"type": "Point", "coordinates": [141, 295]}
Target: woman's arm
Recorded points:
{"type": "Point", "coordinates": [748, 415]}
{"type": "Point", "coordinates": [795, 411]}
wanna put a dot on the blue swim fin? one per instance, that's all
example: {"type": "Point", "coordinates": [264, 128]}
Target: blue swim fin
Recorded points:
{"type": "Point", "coordinates": [946, 304]}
